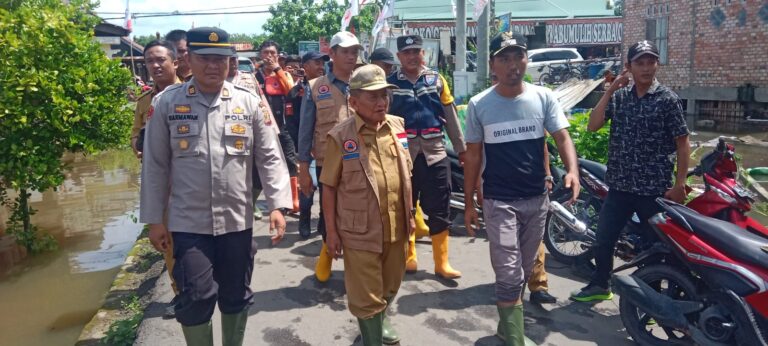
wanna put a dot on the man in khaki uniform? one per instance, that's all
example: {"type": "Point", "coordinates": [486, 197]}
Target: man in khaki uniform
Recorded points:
{"type": "Point", "coordinates": [203, 140]}
{"type": "Point", "coordinates": [161, 60]}
{"type": "Point", "coordinates": [325, 105]}
{"type": "Point", "coordinates": [367, 202]}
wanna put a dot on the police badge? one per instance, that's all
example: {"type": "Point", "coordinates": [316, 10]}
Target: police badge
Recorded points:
{"type": "Point", "coordinates": [430, 79]}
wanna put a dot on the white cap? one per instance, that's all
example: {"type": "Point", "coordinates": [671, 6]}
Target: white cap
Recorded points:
{"type": "Point", "coordinates": [344, 39]}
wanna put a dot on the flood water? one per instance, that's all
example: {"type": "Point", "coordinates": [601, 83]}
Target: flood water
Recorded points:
{"type": "Point", "coordinates": [47, 299]}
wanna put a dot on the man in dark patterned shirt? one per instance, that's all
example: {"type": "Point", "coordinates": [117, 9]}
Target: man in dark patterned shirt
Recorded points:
{"type": "Point", "coordinates": [647, 128]}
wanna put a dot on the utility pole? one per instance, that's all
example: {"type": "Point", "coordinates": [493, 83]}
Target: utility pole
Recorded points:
{"type": "Point", "coordinates": [461, 35]}
{"type": "Point", "coordinates": [482, 46]}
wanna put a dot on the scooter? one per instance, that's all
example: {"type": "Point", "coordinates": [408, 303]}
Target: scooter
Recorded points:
{"type": "Point", "coordinates": [705, 282]}
{"type": "Point", "coordinates": [723, 198]}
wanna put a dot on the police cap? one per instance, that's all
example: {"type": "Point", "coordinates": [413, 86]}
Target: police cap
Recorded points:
{"type": "Point", "coordinates": [209, 41]}
{"type": "Point", "coordinates": [409, 42]}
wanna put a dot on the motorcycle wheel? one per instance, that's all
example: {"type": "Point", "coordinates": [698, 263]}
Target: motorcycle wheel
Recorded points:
{"type": "Point", "coordinates": [545, 79]}
{"type": "Point", "coordinates": [667, 280]}
{"type": "Point", "coordinates": [561, 241]}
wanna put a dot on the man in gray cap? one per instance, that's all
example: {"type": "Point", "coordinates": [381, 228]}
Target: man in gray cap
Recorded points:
{"type": "Point", "coordinates": [203, 139]}
{"type": "Point", "coordinates": [383, 58]}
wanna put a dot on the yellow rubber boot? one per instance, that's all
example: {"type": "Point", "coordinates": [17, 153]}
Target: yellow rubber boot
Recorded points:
{"type": "Point", "coordinates": [440, 254]}
{"type": "Point", "coordinates": [422, 230]}
{"type": "Point", "coordinates": [411, 264]}
{"type": "Point", "coordinates": [323, 266]}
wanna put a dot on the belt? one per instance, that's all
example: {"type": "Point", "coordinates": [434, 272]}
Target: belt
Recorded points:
{"type": "Point", "coordinates": [428, 133]}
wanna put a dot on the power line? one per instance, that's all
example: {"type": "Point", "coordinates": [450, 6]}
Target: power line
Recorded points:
{"type": "Point", "coordinates": [134, 16]}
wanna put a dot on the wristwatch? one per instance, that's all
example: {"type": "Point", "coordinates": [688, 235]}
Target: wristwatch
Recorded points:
{"type": "Point", "coordinates": [549, 178]}
{"type": "Point", "coordinates": [284, 211]}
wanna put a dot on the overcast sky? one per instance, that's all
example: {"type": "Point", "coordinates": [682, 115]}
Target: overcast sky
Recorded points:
{"type": "Point", "coordinates": [241, 23]}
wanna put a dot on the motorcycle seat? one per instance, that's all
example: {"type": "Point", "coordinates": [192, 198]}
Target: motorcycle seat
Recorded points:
{"type": "Point", "coordinates": [734, 241]}
{"type": "Point", "coordinates": [597, 169]}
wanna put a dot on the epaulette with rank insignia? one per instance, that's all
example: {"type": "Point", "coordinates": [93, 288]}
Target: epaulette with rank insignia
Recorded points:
{"type": "Point", "coordinates": [250, 91]}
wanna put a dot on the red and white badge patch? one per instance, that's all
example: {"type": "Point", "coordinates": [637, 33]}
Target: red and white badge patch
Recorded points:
{"type": "Point", "coordinates": [403, 138]}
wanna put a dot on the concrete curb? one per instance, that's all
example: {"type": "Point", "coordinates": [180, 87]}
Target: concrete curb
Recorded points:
{"type": "Point", "coordinates": [137, 277]}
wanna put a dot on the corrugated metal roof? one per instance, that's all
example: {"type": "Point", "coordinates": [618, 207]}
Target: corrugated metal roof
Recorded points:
{"type": "Point", "coordinates": [519, 9]}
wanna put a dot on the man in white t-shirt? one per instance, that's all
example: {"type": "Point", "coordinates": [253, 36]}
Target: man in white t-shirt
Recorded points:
{"type": "Point", "coordinates": [505, 128]}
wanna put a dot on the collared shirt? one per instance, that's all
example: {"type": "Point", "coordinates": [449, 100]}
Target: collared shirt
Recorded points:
{"type": "Point", "coordinates": [199, 159]}
{"type": "Point", "coordinates": [642, 143]}
{"type": "Point", "coordinates": [309, 117]}
{"type": "Point", "coordinates": [143, 104]}
{"type": "Point", "coordinates": [433, 149]}
{"type": "Point", "coordinates": [382, 152]}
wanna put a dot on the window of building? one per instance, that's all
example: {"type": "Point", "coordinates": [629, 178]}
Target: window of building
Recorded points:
{"type": "Point", "coordinates": [657, 31]}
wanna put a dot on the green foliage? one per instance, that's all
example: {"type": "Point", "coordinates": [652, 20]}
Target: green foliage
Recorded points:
{"type": "Point", "coordinates": [144, 39]}
{"type": "Point", "coordinates": [60, 93]}
{"type": "Point", "coordinates": [254, 39]}
{"type": "Point", "coordinates": [589, 145]}
{"type": "Point", "coordinates": [307, 20]}
{"type": "Point", "coordinates": [123, 332]}
{"type": "Point", "coordinates": [618, 7]}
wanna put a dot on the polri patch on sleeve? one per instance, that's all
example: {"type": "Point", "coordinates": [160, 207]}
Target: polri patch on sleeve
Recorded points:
{"type": "Point", "coordinates": [430, 79]}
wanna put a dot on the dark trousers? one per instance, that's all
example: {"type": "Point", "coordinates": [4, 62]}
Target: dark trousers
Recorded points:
{"type": "Point", "coordinates": [616, 212]}
{"type": "Point", "coordinates": [432, 188]}
{"type": "Point", "coordinates": [321, 222]}
{"type": "Point", "coordinates": [211, 269]}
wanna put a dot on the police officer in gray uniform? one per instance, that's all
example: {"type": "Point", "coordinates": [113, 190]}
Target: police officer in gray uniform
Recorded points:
{"type": "Point", "coordinates": [203, 141]}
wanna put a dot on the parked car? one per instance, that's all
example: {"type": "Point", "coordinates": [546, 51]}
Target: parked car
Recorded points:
{"type": "Point", "coordinates": [547, 56]}
{"type": "Point", "coordinates": [245, 65]}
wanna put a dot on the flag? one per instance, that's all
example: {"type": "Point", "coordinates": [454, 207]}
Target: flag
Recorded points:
{"type": "Point", "coordinates": [480, 6]}
{"type": "Point", "coordinates": [128, 21]}
{"type": "Point", "coordinates": [353, 10]}
{"type": "Point", "coordinates": [504, 22]}
{"type": "Point", "coordinates": [387, 11]}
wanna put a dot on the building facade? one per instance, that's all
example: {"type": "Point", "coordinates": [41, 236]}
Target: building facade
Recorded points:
{"type": "Point", "coordinates": [714, 53]}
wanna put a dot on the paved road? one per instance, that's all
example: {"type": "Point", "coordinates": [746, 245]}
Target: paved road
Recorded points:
{"type": "Point", "coordinates": [292, 308]}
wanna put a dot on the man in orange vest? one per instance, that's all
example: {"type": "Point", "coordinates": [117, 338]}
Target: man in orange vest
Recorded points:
{"type": "Point", "coordinates": [367, 202]}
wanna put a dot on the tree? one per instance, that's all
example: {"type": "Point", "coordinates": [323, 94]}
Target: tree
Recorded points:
{"type": "Point", "coordinates": [618, 7]}
{"type": "Point", "coordinates": [298, 20]}
{"type": "Point", "coordinates": [60, 93]}
{"type": "Point", "coordinates": [144, 39]}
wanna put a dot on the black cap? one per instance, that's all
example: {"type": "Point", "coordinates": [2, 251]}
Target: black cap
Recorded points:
{"type": "Point", "coordinates": [408, 42]}
{"type": "Point", "coordinates": [382, 54]}
{"type": "Point", "coordinates": [504, 40]}
{"type": "Point", "coordinates": [209, 41]}
{"type": "Point", "coordinates": [642, 48]}
{"type": "Point", "coordinates": [314, 55]}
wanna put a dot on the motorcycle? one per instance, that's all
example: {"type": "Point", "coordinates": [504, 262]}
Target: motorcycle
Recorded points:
{"type": "Point", "coordinates": [569, 242]}
{"type": "Point", "coordinates": [704, 282]}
